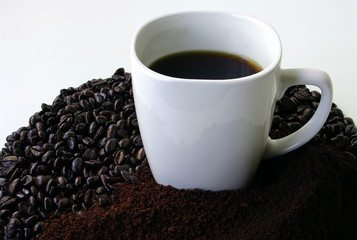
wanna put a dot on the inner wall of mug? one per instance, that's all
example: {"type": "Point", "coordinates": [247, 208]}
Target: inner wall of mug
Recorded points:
{"type": "Point", "coordinates": [243, 36]}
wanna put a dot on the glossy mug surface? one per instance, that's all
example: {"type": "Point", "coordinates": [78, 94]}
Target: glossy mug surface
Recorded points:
{"type": "Point", "coordinates": [212, 134]}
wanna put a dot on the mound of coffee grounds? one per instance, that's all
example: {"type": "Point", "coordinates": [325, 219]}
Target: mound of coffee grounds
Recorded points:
{"type": "Point", "coordinates": [303, 195]}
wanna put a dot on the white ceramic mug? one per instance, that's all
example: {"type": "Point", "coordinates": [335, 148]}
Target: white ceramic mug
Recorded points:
{"type": "Point", "coordinates": [212, 134]}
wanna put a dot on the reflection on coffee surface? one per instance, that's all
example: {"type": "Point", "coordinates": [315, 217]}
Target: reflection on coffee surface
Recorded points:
{"type": "Point", "coordinates": [202, 64]}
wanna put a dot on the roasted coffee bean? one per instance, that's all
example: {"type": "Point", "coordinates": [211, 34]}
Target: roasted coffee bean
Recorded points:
{"type": "Point", "coordinates": [88, 197]}
{"type": "Point", "coordinates": [17, 148]}
{"type": "Point", "coordinates": [119, 157]}
{"type": "Point", "coordinates": [4, 213]}
{"type": "Point", "coordinates": [111, 145]}
{"type": "Point", "coordinates": [93, 163]}
{"type": "Point", "coordinates": [61, 181]}
{"type": "Point", "coordinates": [351, 130]}
{"type": "Point", "coordinates": [348, 121]}
{"type": "Point", "coordinates": [121, 124]}
{"type": "Point", "coordinates": [71, 109]}
{"type": "Point", "coordinates": [68, 134]}
{"type": "Point", "coordinates": [336, 112]}
{"type": "Point", "coordinates": [134, 180]}
{"type": "Point", "coordinates": [125, 175]}
{"type": "Point", "coordinates": [40, 180]}
{"type": "Point", "coordinates": [100, 190]}
{"type": "Point", "coordinates": [133, 161]}
{"type": "Point", "coordinates": [26, 191]}
{"type": "Point", "coordinates": [103, 200]}
{"type": "Point", "coordinates": [100, 97]}
{"type": "Point", "coordinates": [45, 158]}
{"type": "Point", "coordinates": [101, 142]}
{"type": "Point", "coordinates": [112, 131]}
{"type": "Point", "coordinates": [104, 178]}
{"type": "Point", "coordinates": [37, 150]}
{"type": "Point", "coordinates": [2, 182]}
{"type": "Point", "coordinates": [302, 95]}
{"type": "Point", "coordinates": [85, 105]}
{"type": "Point", "coordinates": [123, 133]}
{"type": "Point", "coordinates": [99, 133]}
{"type": "Point", "coordinates": [64, 203]}
{"type": "Point", "coordinates": [137, 141]}
{"type": "Point", "coordinates": [119, 73]}
{"type": "Point", "coordinates": [48, 204]}
{"type": "Point", "coordinates": [33, 168]}
{"type": "Point", "coordinates": [32, 200]}
{"type": "Point", "coordinates": [294, 126]}
{"type": "Point", "coordinates": [93, 181]}
{"type": "Point", "coordinates": [81, 128]}
{"type": "Point", "coordinates": [34, 119]}
{"type": "Point", "coordinates": [50, 183]}
{"type": "Point", "coordinates": [20, 195]}
{"type": "Point", "coordinates": [78, 181]}
{"type": "Point", "coordinates": [300, 109]}
{"type": "Point", "coordinates": [308, 113]}
{"type": "Point", "coordinates": [72, 143]}
{"type": "Point", "coordinates": [333, 119]}
{"type": "Point", "coordinates": [114, 179]}
{"type": "Point", "coordinates": [10, 158]}
{"type": "Point", "coordinates": [15, 174]}
{"type": "Point", "coordinates": [13, 186]}
{"type": "Point", "coordinates": [101, 120]}
{"type": "Point", "coordinates": [17, 214]}
{"type": "Point", "coordinates": [33, 190]}
{"type": "Point", "coordinates": [38, 227]}
{"type": "Point", "coordinates": [42, 169]}
{"type": "Point", "coordinates": [316, 96]}
{"type": "Point", "coordinates": [124, 143]}
{"type": "Point", "coordinates": [114, 173]}
{"type": "Point", "coordinates": [40, 195]}
{"type": "Point", "coordinates": [11, 227]}
{"type": "Point", "coordinates": [77, 165]}
{"type": "Point", "coordinates": [32, 220]}
{"type": "Point", "coordinates": [108, 105]}
{"type": "Point", "coordinates": [88, 141]}
{"type": "Point", "coordinates": [9, 171]}
{"type": "Point", "coordinates": [92, 128]}
{"type": "Point", "coordinates": [287, 103]}
{"type": "Point", "coordinates": [134, 122]}
{"type": "Point", "coordinates": [40, 130]}
{"type": "Point", "coordinates": [102, 170]}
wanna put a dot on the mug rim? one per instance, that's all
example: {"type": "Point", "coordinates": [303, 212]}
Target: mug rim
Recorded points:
{"type": "Point", "coordinates": [266, 70]}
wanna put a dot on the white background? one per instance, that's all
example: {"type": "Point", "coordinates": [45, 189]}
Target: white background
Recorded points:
{"type": "Point", "coordinates": [49, 45]}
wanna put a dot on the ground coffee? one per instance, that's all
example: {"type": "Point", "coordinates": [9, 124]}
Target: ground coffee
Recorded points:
{"type": "Point", "coordinates": [307, 194]}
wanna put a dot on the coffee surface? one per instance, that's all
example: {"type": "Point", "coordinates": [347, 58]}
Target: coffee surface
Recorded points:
{"type": "Point", "coordinates": [205, 65]}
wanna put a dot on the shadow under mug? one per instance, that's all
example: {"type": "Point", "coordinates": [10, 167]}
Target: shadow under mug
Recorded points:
{"type": "Point", "coordinates": [212, 134]}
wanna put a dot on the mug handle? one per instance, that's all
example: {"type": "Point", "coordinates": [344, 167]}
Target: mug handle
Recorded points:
{"type": "Point", "coordinates": [290, 77]}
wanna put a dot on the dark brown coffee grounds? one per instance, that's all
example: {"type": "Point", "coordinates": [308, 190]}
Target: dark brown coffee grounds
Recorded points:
{"type": "Point", "coordinates": [307, 194]}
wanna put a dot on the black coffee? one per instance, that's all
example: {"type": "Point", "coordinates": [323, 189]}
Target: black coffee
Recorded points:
{"type": "Point", "coordinates": [205, 65]}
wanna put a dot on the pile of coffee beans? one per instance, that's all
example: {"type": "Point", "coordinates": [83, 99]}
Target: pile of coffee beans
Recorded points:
{"type": "Point", "coordinates": [75, 151]}
{"type": "Point", "coordinates": [70, 155]}
{"type": "Point", "coordinates": [296, 108]}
